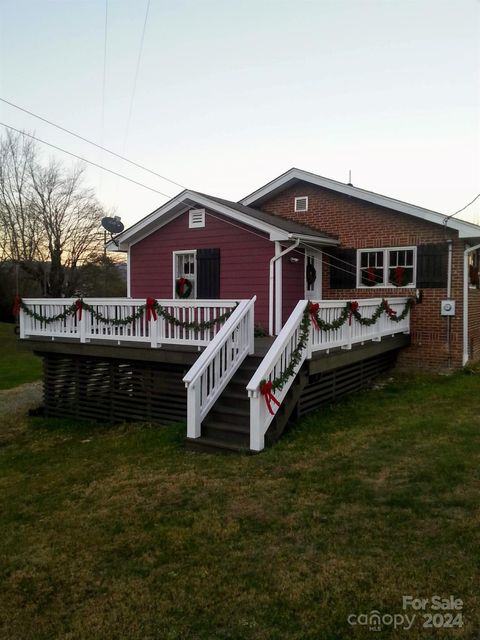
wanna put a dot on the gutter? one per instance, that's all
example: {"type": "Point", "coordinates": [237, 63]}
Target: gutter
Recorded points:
{"type": "Point", "coordinates": [466, 253]}
{"type": "Point", "coordinates": [271, 282]}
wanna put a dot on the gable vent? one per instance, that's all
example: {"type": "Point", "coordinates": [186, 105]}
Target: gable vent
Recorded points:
{"type": "Point", "coordinates": [196, 218]}
{"type": "Point", "coordinates": [301, 204]}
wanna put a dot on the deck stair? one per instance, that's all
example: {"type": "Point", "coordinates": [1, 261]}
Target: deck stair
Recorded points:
{"type": "Point", "coordinates": [227, 427]}
{"type": "Point", "coordinates": [115, 362]}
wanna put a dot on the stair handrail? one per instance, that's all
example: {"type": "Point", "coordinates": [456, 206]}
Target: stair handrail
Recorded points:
{"type": "Point", "coordinates": [260, 417]}
{"type": "Point", "coordinates": [204, 383]}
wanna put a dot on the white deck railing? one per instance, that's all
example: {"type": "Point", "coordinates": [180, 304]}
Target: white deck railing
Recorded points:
{"type": "Point", "coordinates": [213, 370]}
{"type": "Point", "coordinates": [152, 332]}
{"type": "Point", "coordinates": [278, 357]}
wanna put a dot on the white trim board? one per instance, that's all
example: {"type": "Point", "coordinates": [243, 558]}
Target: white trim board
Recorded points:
{"type": "Point", "coordinates": [465, 229]}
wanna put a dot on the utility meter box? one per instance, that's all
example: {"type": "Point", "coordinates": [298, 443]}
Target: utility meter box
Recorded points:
{"type": "Point", "coordinates": [447, 308]}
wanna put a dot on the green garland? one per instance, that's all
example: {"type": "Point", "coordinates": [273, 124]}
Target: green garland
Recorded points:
{"type": "Point", "coordinates": [161, 311]}
{"type": "Point", "coordinates": [296, 355]}
{"type": "Point", "coordinates": [351, 309]}
{"type": "Point", "coordinates": [69, 311]}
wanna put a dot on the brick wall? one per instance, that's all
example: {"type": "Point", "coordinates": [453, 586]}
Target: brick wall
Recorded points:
{"type": "Point", "coordinates": [436, 341]}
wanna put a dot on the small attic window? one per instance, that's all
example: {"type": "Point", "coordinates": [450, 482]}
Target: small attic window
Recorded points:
{"type": "Point", "coordinates": [301, 204]}
{"type": "Point", "coordinates": [196, 218]}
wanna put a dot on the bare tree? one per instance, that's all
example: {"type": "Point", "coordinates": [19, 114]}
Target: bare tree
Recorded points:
{"type": "Point", "coordinates": [49, 221]}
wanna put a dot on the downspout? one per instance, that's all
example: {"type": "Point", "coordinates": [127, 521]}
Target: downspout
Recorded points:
{"type": "Point", "coordinates": [272, 282]}
{"type": "Point", "coordinates": [129, 273]}
{"type": "Point", "coordinates": [449, 295]}
{"type": "Point", "coordinates": [466, 253]}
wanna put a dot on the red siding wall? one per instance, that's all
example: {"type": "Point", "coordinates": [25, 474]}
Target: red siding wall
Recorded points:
{"type": "Point", "coordinates": [244, 260]}
{"type": "Point", "coordinates": [359, 225]}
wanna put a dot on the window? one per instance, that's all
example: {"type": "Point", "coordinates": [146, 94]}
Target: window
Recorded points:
{"type": "Point", "coordinates": [196, 218]}
{"type": "Point", "coordinates": [185, 266]}
{"type": "Point", "coordinates": [393, 267]}
{"type": "Point", "coordinates": [301, 204]}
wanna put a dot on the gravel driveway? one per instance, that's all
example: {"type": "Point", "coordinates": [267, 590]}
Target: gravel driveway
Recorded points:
{"type": "Point", "coordinates": [20, 399]}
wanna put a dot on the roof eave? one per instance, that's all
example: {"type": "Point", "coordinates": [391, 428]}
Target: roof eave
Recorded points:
{"type": "Point", "coordinates": [465, 229]}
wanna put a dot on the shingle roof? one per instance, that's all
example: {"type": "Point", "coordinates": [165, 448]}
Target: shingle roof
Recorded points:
{"type": "Point", "coordinates": [290, 226]}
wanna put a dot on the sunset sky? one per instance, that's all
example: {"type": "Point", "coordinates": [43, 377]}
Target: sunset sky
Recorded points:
{"type": "Point", "coordinates": [231, 94]}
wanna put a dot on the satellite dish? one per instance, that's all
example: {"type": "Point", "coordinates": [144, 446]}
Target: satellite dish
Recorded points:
{"type": "Point", "coordinates": [113, 225]}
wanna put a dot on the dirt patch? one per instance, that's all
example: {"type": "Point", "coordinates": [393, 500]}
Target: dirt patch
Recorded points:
{"type": "Point", "coordinates": [20, 399]}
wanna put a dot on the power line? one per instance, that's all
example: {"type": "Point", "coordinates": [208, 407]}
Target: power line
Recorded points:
{"type": "Point", "coordinates": [137, 69]}
{"type": "Point", "coordinates": [462, 209]}
{"type": "Point", "coordinates": [104, 79]}
{"type": "Point", "coordinates": [95, 164]}
{"type": "Point", "coordinates": [94, 144]}
{"type": "Point", "coordinates": [140, 184]}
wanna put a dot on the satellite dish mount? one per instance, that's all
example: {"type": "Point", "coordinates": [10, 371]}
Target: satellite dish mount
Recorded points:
{"type": "Point", "coordinates": [112, 225]}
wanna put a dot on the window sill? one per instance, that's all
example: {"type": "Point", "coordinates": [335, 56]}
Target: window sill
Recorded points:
{"type": "Point", "coordinates": [386, 286]}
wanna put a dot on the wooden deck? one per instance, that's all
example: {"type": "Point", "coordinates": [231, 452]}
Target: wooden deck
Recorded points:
{"type": "Point", "coordinates": [199, 361]}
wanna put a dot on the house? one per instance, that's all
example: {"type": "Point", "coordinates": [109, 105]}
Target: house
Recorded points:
{"type": "Point", "coordinates": [387, 281]}
{"type": "Point", "coordinates": [356, 241]}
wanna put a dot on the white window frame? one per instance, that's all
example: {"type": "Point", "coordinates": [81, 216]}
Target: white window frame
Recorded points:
{"type": "Point", "coordinates": [175, 274]}
{"type": "Point", "coordinates": [386, 262]}
{"type": "Point", "coordinates": [306, 202]}
{"type": "Point", "coordinates": [196, 225]}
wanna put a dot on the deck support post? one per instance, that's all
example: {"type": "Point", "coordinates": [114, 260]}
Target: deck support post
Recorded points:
{"type": "Point", "coordinates": [82, 329]}
{"type": "Point", "coordinates": [257, 437]}
{"type": "Point", "coordinates": [194, 425]}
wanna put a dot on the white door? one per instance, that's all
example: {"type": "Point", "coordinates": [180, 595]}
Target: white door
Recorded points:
{"type": "Point", "coordinates": [313, 274]}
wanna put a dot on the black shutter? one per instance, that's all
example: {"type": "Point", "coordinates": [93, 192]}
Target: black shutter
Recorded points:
{"type": "Point", "coordinates": [343, 268]}
{"type": "Point", "coordinates": [432, 265]}
{"type": "Point", "coordinates": [208, 274]}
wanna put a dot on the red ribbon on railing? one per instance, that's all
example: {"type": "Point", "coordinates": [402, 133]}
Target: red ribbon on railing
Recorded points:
{"type": "Point", "coordinates": [266, 391]}
{"type": "Point", "coordinates": [16, 306]}
{"type": "Point", "coordinates": [79, 308]}
{"type": "Point", "coordinates": [313, 308]}
{"type": "Point", "coordinates": [353, 309]}
{"type": "Point", "coordinates": [388, 309]}
{"type": "Point", "coordinates": [151, 312]}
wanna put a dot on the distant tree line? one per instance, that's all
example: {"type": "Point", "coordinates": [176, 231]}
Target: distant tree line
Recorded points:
{"type": "Point", "coordinates": [51, 241]}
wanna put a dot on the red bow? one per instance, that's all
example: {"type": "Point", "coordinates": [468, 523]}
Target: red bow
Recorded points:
{"type": "Point", "coordinates": [353, 309]}
{"type": "Point", "coordinates": [399, 274]}
{"type": "Point", "coordinates": [371, 276]}
{"type": "Point", "coordinates": [388, 309]}
{"type": "Point", "coordinates": [266, 391]}
{"type": "Point", "coordinates": [16, 306]}
{"type": "Point", "coordinates": [151, 312]}
{"type": "Point", "coordinates": [313, 308]}
{"type": "Point", "coordinates": [181, 285]}
{"type": "Point", "coordinates": [78, 308]}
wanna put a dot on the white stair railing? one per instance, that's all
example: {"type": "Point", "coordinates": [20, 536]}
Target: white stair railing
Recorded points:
{"type": "Point", "coordinates": [214, 369]}
{"type": "Point", "coordinates": [278, 357]}
{"type": "Point", "coordinates": [272, 366]}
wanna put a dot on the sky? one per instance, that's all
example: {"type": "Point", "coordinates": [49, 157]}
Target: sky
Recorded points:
{"type": "Point", "coordinates": [231, 94]}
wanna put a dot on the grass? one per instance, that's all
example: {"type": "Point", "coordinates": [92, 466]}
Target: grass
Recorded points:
{"type": "Point", "coordinates": [16, 366]}
{"type": "Point", "coordinates": [117, 532]}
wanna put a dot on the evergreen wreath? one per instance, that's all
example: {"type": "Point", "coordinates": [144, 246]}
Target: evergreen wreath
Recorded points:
{"type": "Point", "coordinates": [183, 287]}
{"type": "Point", "coordinates": [399, 276]}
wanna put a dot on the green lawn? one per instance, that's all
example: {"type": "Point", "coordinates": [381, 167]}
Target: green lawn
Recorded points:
{"type": "Point", "coordinates": [119, 533]}
{"type": "Point", "coordinates": [16, 366]}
